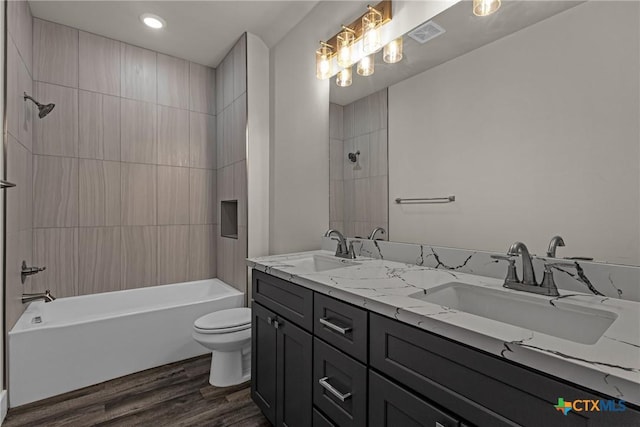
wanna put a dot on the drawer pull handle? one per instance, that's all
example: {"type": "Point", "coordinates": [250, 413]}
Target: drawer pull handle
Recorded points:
{"type": "Point", "coordinates": [325, 322]}
{"type": "Point", "coordinates": [331, 389]}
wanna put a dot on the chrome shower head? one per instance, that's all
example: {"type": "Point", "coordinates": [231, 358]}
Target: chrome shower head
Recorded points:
{"type": "Point", "coordinates": [43, 110]}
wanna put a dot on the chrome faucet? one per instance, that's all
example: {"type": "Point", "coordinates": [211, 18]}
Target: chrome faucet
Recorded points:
{"type": "Point", "coordinates": [45, 296]}
{"type": "Point", "coordinates": [29, 271]}
{"type": "Point", "coordinates": [343, 250]}
{"type": "Point", "coordinates": [555, 242]}
{"type": "Point", "coordinates": [528, 275]}
{"type": "Point", "coordinates": [528, 283]}
{"type": "Point", "coordinates": [376, 230]}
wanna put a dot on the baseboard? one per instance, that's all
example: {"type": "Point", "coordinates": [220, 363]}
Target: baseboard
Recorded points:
{"type": "Point", "coordinates": [3, 405]}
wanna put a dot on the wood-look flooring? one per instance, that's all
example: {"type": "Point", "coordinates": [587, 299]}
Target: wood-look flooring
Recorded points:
{"type": "Point", "coordinates": [178, 394]}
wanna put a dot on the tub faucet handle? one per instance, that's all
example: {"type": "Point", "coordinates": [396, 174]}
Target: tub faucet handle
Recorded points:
{"type": "Point", "coordinates": [29, 271]}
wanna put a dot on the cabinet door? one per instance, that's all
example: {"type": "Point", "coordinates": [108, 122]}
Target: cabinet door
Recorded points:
{"type": "Point", "coordinates": [263, 361]}
{"type": "Point", "coordinates": [393, 406]}
{"type": "Point", "coordinates": [294, 367]}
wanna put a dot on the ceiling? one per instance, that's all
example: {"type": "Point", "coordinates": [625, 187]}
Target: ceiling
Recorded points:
{"type": "Point", "coordinates": [464, 33]}
{"type": "Point", "coordinates": [199, 31]}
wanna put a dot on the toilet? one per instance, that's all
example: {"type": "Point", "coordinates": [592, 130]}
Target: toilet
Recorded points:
{"type": "Point", "coordinates": [227, 333]}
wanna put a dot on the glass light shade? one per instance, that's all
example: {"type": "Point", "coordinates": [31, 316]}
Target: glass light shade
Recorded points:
{"type": "Point", "coordinates": [323, 62]}
{"type": "Point", "coordinates": [345, 48]}
{"type": "Point", "coordinates": [392, 52]}
{"type": "Point", "coordinates": [371, 38]}
{"type": "Point", "coordinates": [344, 78]}
{"type": "Point", "coordinates": [366, 66]}
{"type": "Point", "coordinates": [485, 7]}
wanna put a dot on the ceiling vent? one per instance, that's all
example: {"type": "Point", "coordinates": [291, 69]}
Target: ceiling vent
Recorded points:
{"type": "Point", "coordinates": [425, 32]}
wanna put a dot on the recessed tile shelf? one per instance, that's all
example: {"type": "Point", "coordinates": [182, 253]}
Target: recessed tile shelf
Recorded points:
{"type": "Point", "coordinates": [229, 219]}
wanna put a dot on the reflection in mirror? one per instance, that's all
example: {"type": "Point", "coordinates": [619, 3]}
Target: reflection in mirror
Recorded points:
{"type": "Point", "coordinates": [528, 116]}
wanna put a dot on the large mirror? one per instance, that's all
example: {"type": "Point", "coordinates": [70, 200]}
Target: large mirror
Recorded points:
{"type": "Point", "coordinates": [529, 117]}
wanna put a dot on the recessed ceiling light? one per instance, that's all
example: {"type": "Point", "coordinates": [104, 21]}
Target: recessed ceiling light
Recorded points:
{"type": "Point", "coordinates": [152, 21]}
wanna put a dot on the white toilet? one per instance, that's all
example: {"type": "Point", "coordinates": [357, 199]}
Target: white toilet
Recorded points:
{"type": "Point", "coordinates": [227, 333]}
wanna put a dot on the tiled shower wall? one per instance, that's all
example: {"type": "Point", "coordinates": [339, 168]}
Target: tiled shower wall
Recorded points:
{"type": "Point", "coordinates": [358, 192]}
{"type": "Point", "coordinates": [231, 110]}
{"type": "Point", "coordinates": [20, 118]}
{"type": "Point", "coordinates": [124, 168]}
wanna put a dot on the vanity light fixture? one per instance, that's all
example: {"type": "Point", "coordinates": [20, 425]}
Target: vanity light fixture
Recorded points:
{"type": "Point", "coordinates": [485, 7]}
{"type": "Point", "coordinates": [344, 77]}
{"type": "Point", "coordinates": [392, 52]}
{"type": "Point", "coordinates": [371, 37]}
{"type": "Point", "coordinates": [153, 21]}
{"type": "Point", "coordinates": [363, 34]}
{"type": "Point", "coordinates": [346, 39]}
{"type": "Point", "coordinates": [323, 61]}
{"type": "Point", "coordinates": [366, 66]}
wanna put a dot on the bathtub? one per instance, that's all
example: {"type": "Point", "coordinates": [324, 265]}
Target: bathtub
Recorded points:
{"type": "Point", "coordinates": [75, 342]}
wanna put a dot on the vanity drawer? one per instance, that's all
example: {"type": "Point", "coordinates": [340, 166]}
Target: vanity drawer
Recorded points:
{"type": "Point", "coordinates": [320, 420]}
{"type": "Point", "coordinates": [341, 325]}
{"type": "Point", "coordinates": [392, 406]}
{"type": "Point", "coordinates": [339, 386]}
{"type": "Point", "coordinates": [475, 385]}
{"type": "Point", "coordinates": [291, 301]}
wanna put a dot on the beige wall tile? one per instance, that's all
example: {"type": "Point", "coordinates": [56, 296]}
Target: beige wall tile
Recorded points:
{"type": "Point", "coordinates": [223, 138]}
{"type": "Point", "coordinates": [203, 200]}
{"type": "Point", "coordinates": [138, 191]}
{"type": "Point", "coordinates": [139, 257]}
{"type": "Point", "coordinates": [17, 157]}
{"type": "Point", "coordinates": [20, 27]}
{"type": "Point", "coordinates": [239, 129]}
{"type": "Point", "coordinates": [379, 154]}
{"type": "Point", "coordinates": [173, 195]}
{"type": "Point", "coordinates": [336, 201]}
{"type": "Point", "coordinates": [138, 73]}
{"type": "Point", "coordinates": [99, 260]}
{"type": "Point", "coordinates": [99, 184]}
{"type": "Point", "coordinates": [28, 111]}
{"type": "Point", "coordinates": [99, 68]}
{"type": "Point", "coordinates": [240, 190]}
{"type": "Point", "coordinates": [57, 133]}
{"type": "Point", "coordinates": [228, 71]}
{"type": "Point", "coordinates": [202, 250]}
{"type": "Point", "coordinates": [225, 254]}
{"type": "Point", "coordinates": [240, 67]}
{"type": "Point", "coordinates": [17, 245]}
{"type": "Point", "coordinates": [99, 126]}
{"type": "Point", "coordinates": [57, 249]}
{"type": "Point", "coordinates": [335, 121]}
{"type": "Point", "coordinates": [336, 159]}
{"type": "Point", "coordinates": [173, 136]}
{"type": "Point", "coordinates": [173, 81]}
{"type": "Point", "coordinates": [219, 90]}
{"type": "Point", "coordinates": [362, 196]}
{"type": "Point", "coordinates": [202, 140]}
{"type": "Point", "coordinates": [379, 200]}
{"type": "Point", "coordinates": [138, 132]}
{"type": "Point", "coordinates": [225, 183]}
{"type": "Point", "coordinates": [14, 96]}
{"type": "Point", "coordinates": [239, 263]}
{"type": "Point", "coordinates": [202, 89]}
{"type": "Point", "coordinates": [173, 254]}
{"type": "Point", "coordinates": [55, 191]}
{"type": "Point", "coordinates": [55, 53]}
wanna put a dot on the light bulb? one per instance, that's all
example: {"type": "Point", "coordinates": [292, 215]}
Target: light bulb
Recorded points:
{"type": "Point", "coordinates": [366, 65]}
{"type": "Point", "coordinates": [344, 79]}
{"type": "Point", "coordinates": [152, 21]}
{"type": "Point", "coordinates": [345, 47]}
{"type": "Point", "coordinates": [392, 52]}
{"type": "Point", "coordinates": [323, 62]}
{"type": "Point", "coordinates": [485, 7]}
{"type": "Point", "coordinates": [371, 39]}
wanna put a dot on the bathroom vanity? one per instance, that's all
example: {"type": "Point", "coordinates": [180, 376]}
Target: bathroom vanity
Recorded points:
{"type": "Point", "coordinates": [360, 343]}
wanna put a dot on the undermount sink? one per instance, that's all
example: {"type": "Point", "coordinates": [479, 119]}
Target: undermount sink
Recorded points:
{"type": "Point", "coordinates": [317, 263]}
{"type": "Point", "coordinates": [563, 319]}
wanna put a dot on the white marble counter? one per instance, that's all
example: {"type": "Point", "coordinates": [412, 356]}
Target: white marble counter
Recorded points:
{"type": "Point", "coordinates": [610, 366]}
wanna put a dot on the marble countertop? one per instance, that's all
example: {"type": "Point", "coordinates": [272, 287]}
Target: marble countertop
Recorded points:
{"type": "Point", "coordinates": [610, 366]}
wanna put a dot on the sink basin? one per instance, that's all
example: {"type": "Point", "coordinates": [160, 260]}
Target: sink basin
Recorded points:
{"type": "Point", "coordinates": [563, 319]}
{"type": "Point", "coordinates": [317, 263]}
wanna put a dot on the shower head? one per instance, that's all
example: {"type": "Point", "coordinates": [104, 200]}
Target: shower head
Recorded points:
{"type": "Point", "coordinates": [43, 110]}
{"type": "Point", "coordinates": [353, 157]}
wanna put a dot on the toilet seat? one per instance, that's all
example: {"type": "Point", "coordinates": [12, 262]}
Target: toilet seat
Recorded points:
{"type": "Point", "coordinates": [224, 321]}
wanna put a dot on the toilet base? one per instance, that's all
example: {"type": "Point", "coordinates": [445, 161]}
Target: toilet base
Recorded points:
{"type": "Point", "coordinates": [230, 368]}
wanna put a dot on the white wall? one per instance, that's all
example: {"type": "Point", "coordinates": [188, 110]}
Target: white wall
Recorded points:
{"type": "Point", "coordinates": [536, 134]}
{"type": "Point", "coordinates": [299, 192]}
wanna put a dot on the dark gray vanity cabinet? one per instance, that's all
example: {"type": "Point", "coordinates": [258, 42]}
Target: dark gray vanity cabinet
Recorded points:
{"type": "Point", "coordinates": [281, 364]}
{"type": "Point", "coordinates": [318, 361]}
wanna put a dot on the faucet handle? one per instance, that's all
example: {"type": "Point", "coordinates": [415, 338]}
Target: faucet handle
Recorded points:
{"type": "Point", "coordinates": [510, 258]}
{"type": "Point", "coordinates": [512, 274]}
{"type": "Point", "coordinates": [548, 284]}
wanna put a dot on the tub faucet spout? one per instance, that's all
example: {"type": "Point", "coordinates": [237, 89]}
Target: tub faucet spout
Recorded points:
{"type": "Point", "coordinates": [45, 296]}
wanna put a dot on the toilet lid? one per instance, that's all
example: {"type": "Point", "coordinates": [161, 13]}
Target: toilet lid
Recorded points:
{"type": "Point", "coordinates": [230, 320]}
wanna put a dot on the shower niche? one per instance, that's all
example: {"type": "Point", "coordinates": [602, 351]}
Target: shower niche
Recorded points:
{"type": "Point", "coordinates": [229, 218]}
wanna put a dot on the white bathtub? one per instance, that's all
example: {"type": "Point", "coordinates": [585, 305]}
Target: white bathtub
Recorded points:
{"type": "Point", "coordinates": [88, 339]}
